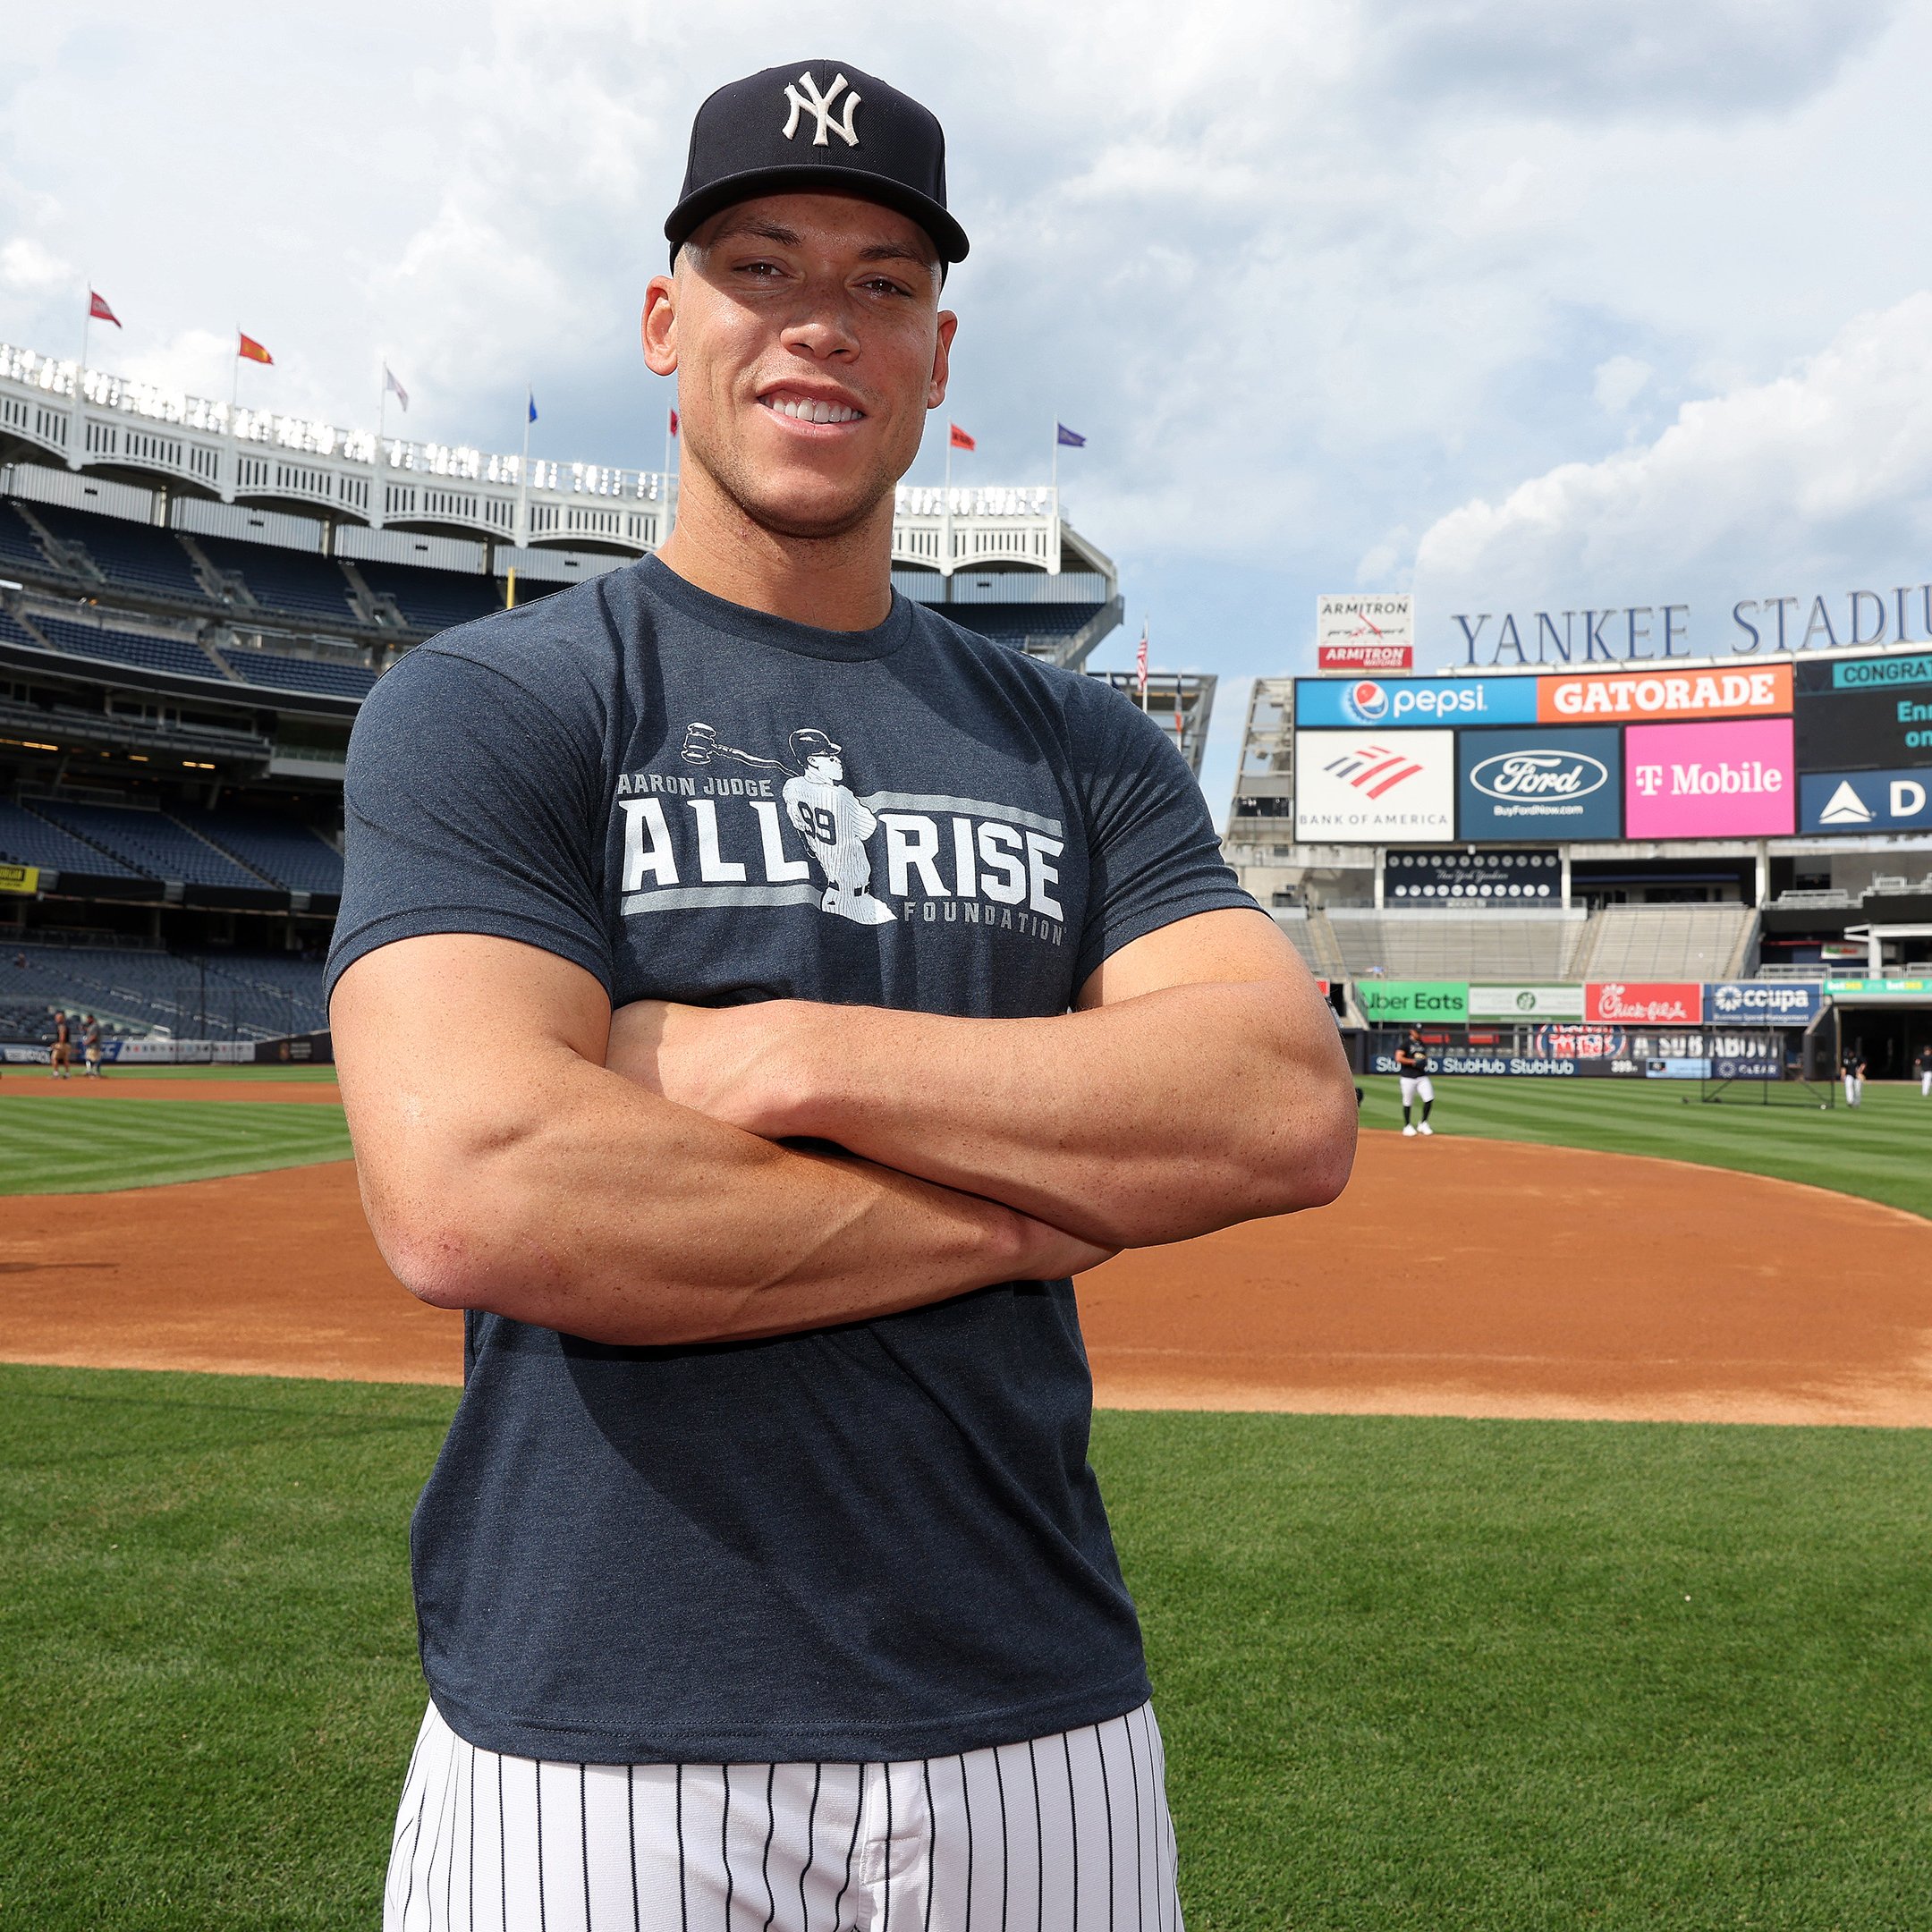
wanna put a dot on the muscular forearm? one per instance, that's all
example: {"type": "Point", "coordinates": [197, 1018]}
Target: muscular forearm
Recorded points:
{"type": "Point", "coordinates": [1148, 1121]}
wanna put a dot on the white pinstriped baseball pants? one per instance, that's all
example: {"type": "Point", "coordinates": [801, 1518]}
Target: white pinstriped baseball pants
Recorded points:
{"type": "Point", "coordinates": [1065, 1832]}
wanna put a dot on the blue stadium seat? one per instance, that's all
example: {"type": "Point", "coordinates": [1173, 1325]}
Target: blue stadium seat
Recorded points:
{"type": "Point", "coordinates": [433, 599]}
{"type": "Point", "coordinates": [180, 654]}
{"type": "Point", "coordinates": [292, 582]}
{"type": "Point", "coordinates": [133, 556]}
{"type": "Point", "coordinates": [1013, 624]}
{"type": "Point", "coordinates": [287, 850]}
{"type": "Point", "coordinates": [277, 673]}
{"type": "Point", "coordinates": [28, 838]}
{"type": "Point", "coordinates": [18, 544]}
{"type": "Point", "coordinates": [150, 841]}
{"type": "Point", "coordinates": [209, 996]}
{"type": "Point", "coordinates": [11, 632]}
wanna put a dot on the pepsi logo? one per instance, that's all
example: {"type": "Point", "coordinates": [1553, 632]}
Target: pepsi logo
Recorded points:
{"type": "Point", "coordinates": [1366, 702]}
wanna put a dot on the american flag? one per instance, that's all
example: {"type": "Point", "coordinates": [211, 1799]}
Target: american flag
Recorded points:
{"type": "Point", "coordinates": [1140, 667]}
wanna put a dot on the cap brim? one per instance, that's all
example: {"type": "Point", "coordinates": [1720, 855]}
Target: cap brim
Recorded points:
{"type": "Point", "coordinates": [947, 236]}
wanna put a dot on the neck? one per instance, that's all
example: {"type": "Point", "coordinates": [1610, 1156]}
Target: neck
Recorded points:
{"type": "Point", "coordinates": [842, 582]}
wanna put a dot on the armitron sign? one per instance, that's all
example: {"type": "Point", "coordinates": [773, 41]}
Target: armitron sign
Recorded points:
{"type": "Point", "coordinates": [1333, 658]}
{"type": "Point", "coordinates": [1358, 632]}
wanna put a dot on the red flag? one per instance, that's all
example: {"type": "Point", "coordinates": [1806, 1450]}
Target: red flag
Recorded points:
{"type": "Point", "coordinates": [673, 423]}
{"type": "Point", "coordinates": [252, 350]}
{"type": "Point", "coordinates": [99, 310]}
{"type": "Point", "coordinates": [1180, 723]}
{"type": "Point", "coordinates": [961, 440]}
{"type": "Point", "coordinates": [1140, 665]}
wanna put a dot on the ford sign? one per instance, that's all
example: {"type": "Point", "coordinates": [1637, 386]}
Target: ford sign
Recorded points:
{"type": "Point", "coordinates": [1523, 775]}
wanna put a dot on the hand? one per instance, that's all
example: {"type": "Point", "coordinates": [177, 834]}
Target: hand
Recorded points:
{"type": "Point", "coordinates": [738, 1064]}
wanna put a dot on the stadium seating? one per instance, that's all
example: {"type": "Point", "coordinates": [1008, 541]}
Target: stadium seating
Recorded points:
{"type": "Point", "coordinates": [1014, 623]}
{"type": "Point", "coordinates": [136, 556]}
{"type": "Point", "coordinates": [191, 996]}
{"type": "Point", "coordinates": [292, 582]}
{"type": "Point", "coordinates": [1502, 947]}
{"type": "Point", "coordinates": [150, 841]}
{"type": "Point", "coordinates": [12, 631]}
{"type": "Point", "coordinates": [181, 655]}
{"type": "Point", "coordinates": [432, 599]}
{"type": "Point", "coordinates": [26, 838]}
{"type": "Point", "coordinates": [279, 672]}
{"type": "Point", "coordinates": [18, 544]}
{"type": "Point", "coordinates": [1666, 942]}
{"type": "Point", "coordinates": [283, 849]}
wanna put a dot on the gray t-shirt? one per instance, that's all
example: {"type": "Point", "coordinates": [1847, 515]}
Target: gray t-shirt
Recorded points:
{"type": "Point", "coordinates": [875, 1541]}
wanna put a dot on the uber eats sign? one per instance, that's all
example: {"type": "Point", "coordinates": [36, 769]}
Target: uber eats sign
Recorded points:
{"type": "Point", "coordinates": [1412, 999]}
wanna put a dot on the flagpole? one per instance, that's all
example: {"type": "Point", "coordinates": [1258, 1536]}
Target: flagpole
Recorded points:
{"type": "Point", "coordinates": [235, 381]}
{"type": "Point", "coordinates": [86, 323]}
{"type": "Point", "coordinates": [1055, 460]}
{"type": "Point", "coordinates": [529, 397]}
{"type": "Point", "coordinates": [945, 561]}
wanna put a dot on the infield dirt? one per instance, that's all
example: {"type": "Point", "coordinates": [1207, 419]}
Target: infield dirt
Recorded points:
{"type": "Point", "coordinates": [1454, 1277]}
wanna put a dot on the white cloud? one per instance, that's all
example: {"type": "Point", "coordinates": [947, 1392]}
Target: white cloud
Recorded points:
{"type": "Point", "coordinates": [28, 268]}
{"type": "Point", "coordinates": [1821, 475]}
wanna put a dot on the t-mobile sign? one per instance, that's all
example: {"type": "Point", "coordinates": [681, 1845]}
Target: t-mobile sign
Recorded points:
{"type": "Point", "coordinates": [1708, 781]}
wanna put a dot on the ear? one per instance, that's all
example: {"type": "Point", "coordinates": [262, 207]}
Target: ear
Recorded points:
{"type": "Point", "coordinates": [658, 327]}
{"type": "Point", "coordinates": [936, 390]}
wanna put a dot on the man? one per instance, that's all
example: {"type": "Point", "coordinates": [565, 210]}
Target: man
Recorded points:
{"type": "Point", "coordinates": [1412, 1067]}
{"type": "Point", "coordinates": [90, 1045]}
{"type": "Point", "coordinates": [763, 1570]}
{"type": "Point", "coordinates": [1925, 1072]}
{"type": "Point", "coordinates": [60, 1056]}
{"type": "Point", "coordinates": [1854, 1067]}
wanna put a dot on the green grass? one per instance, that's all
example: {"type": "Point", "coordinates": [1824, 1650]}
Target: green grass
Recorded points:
{"type": "Point", "coordinates": [274, 1072]}
{"type": "Point", "coordinates": [1413, 1673]}
{"type": "Point", "coordinates": [53, 1147]}
{"type": "Point", "coordinates": [1883, 1150]}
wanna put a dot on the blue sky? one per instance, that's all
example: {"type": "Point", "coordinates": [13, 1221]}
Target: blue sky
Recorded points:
{"type": "Point", "coordinates": [1512, 304]}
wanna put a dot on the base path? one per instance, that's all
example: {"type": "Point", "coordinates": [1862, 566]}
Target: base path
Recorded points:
{"type": "Point", "coordinates": [1454, 1277]}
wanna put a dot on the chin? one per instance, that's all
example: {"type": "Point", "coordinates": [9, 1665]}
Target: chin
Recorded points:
{"type": "Point", "coordinates": [818, 506]}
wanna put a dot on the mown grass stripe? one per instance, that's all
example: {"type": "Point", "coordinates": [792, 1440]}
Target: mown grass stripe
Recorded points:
{"type": "Point", "coordinates": [56, 1147]}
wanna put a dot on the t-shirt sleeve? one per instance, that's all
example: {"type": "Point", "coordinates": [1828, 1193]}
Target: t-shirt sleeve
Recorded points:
{"type": "Point", "coordinates": [1153, 855]}
{"type": "Point", "coordinates": [469, 807]}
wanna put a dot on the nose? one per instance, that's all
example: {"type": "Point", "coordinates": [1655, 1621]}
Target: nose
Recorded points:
{"type": "Point", "coordinates": [822, 327]}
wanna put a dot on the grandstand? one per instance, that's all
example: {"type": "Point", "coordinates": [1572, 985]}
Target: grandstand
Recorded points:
{"type": "Point", "coordinates": [194, 601]}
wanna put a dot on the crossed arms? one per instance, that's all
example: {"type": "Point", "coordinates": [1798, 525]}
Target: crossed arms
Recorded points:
{"type": "Point", "coordinates": [629, 1178]}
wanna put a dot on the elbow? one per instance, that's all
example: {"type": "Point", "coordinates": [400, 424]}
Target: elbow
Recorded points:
{"type": "Point", "coordinates": [439, 1261]}
{"type": "Point", "coordinates": [1315, 1159]}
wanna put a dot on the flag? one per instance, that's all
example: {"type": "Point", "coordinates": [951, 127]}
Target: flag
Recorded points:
{"type": "Point", "coordinates": [394, 388]}
{"type": "Point", "coordinates": [1140, 665]}
{"type": "Point", "coordinates": [251, 351]}
{"type": "Point", "coordinates": [1180, 723]}
{"type": "Point", "coordinates": [533, 405]}
{"type": "Point", "coordinates": [959, 439]}
{"type": "Point", "coordinates": [673, 423]}
{"type": "Point", "coordinates": [99, 310]}
{"type": "Point", "coordinates": [1066, 438]}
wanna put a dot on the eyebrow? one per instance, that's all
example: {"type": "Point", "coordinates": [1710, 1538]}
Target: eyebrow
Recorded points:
{"type": "Point", "coordinates": [765, 229]}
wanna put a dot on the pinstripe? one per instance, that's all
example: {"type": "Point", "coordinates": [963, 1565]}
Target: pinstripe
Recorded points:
{"type": "Point", "coordinates": [470, 1915]}
{"type": "Point", "coordinates": [725, 1846]}
{"type": "Point", "coordinates": [932, 1840]}
{"type": "Point", "coordinates": [409, 1777]}
{"type": "Point", "coordinates": [449, 1865]}
{"type": "Point", "coordinates": [966, 1802]}
{"type": "Point", "coordinates": [1139, 1854]}
{"type": "Point", "coordinates": [838, 1904]}
{"type": "Point", "coordinates": [771, 1830]}
{"type": "Point", "coordinates": [1040, 1843]}
{"type": "Point", "coordinates": [886, 1901]}
{"type": "Point", "coordinates": [543, 1902]}
{"type": "Point", "coordinates": [1156, 1779]}
{"type": "Point", "coordinates": [408, 1894]}
{"type": "Point", "coordinates": [583, 1835]}
{"type": "Point", "coordinates": [1073, 1802]}
{"type": "Point", "coordinates": [637, 1919]}
{"type": "Point", "coordinates": [436, 1844]}
{"type": "Point", "coordinates": [503, 1855]}
{"type": "Point", "coordinates": [812, 1845]}
{"type": "Point", "coordinates": [1005, 1868]}
{"type": "Point", "coordinates": [1106, 1799]}
{"type": "Point", "coordinates": [683, 1906]}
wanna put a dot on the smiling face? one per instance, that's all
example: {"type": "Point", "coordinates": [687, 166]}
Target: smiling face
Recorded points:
{"type": "Point", "coordinates": [807, 342]}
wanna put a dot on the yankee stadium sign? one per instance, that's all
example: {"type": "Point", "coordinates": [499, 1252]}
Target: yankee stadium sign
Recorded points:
{"type": "Point", "coordinates": [1837, 621]}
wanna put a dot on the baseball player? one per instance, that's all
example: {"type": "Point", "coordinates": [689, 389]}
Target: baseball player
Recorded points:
{"type": "Point", "coordinates": [1412, 1067]}
{"type": "Point", "coordinates": [60, 1056]}
{"type": "Point", "coordinates": [90, 1045]}
{"type": "Point", "coordinates": [1853, 1069]}
{"type": "Point", "coordinates": [1925, 1072]}
{"type": "Point", "coordinates": [762, 1579]}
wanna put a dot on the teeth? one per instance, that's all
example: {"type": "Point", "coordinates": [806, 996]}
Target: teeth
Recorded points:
{"type": "Point", "coordinates": [812, 412]}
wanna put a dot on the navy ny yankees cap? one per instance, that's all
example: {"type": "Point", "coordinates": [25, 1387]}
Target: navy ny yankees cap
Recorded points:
{"type": "Point", "coordinates": [820, 127]}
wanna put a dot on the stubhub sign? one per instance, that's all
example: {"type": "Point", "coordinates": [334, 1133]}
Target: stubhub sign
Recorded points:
{"type": "Point", "coordinates": [1388, 704]}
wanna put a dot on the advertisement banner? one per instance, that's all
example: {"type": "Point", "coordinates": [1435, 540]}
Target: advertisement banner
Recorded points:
{"type": "Point", "coordinates": [1526, 1003]}
{"type": "Point", "coordinates": [1357, 788]}
{"type": "Point", "coordinates": [1865, 801]}
{"type": "Point", "coordinates": [1648, 1003]}
{"type": "Point", "coordinates": [1383, 1001]}
{"type": "Point", "coordinates": [1359, 631]}
{"type": "Point", "coordinates": [1708, 781]}
{"type": "Point", "coordinates": [1583, 698]}
{"type": "Point", "coordinates": [1550, 783]}
{"type": "Point", "coordinates": [1863, 673]}
{"type": "Point", "coordinates": [1408, 704]}
{"type": "Point", "coordinates": [1763, 1002]}
{"type": "Point", "coordinates": [1447, 881]}
{"type": "Point", "coordinates": [1864, 730]}
{"type": "Point", "coordinates": [1912, 992]}
{"type": "Point", "coordinates": [19, 879]}
{"type": "Point", "coordinates": [1333, 659]}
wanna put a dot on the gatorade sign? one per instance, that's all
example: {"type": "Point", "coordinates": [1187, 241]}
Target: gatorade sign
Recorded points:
{"type": "Point", "coordinates": [1634, 697]}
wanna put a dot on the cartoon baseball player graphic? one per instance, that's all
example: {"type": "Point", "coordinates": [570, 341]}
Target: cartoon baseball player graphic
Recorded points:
{"type": "Point", "coordinates": [823, 809]}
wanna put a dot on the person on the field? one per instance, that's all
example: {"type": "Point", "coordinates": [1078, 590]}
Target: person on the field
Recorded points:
{"type": "Point", "coordinates": [1411, 1063]}
{"type": "Point", "coordinates": [1925, 1072]}
{"type": "Point", "coordinates": [90, 1045]}
{"type": "Point", "coordinates": [1854, 1075]}
{"type": "Point", "coordinates": [60, 1056]}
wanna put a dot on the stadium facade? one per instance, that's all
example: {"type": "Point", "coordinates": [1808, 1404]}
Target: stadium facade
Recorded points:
{"type": "Point", "coordinates": [195, 599]}
{"type": "Point", "coordinates": [1672, 825]}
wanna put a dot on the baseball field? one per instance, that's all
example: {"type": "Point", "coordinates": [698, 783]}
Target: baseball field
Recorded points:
{"type": "Point", "coordinates": [1534, 1538]}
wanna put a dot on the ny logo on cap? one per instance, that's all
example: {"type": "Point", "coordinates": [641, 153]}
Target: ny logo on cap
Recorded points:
{"type": "Point", "coordinates": [820, 106]}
